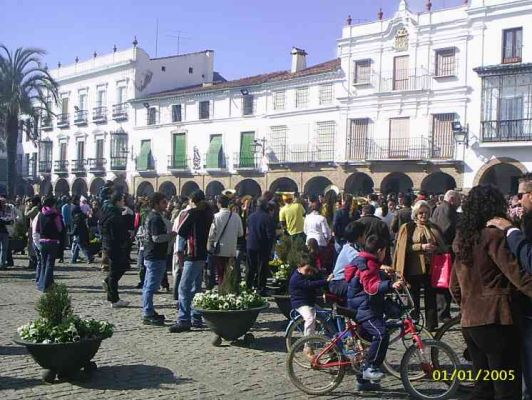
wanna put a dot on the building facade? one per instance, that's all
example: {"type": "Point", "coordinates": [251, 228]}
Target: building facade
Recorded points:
{"type": "Point", "coordinates": [418, 101]}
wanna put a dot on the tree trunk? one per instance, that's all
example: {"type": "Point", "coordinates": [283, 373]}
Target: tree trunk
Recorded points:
{"type": "Point", "coordinates": [11, 149]}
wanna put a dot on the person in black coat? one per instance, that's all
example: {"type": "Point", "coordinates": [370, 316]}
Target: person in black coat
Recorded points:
{"type": "Point", "coordinates": [402, 216]}
{"type": "Point", "coordinates": [80, 234]}
{"type": "Point", "coordinates": [376, 226]}
{"type": "Point", "coordinates": [261, 236]}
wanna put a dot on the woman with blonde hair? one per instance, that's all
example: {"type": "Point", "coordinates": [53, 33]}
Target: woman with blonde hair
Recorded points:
{"type": "Point", "coordinates": [417, 241]}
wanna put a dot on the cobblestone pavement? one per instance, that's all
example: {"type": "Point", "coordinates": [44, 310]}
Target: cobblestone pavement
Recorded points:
{"type": "Point", "coordinates": [148, 362]}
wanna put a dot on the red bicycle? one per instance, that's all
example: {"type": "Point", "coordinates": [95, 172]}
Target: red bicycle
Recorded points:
{"type": "Point", "coordinates": [316, 364]}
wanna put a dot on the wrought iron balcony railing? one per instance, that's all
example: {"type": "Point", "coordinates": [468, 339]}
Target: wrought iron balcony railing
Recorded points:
{"type": "Point", "coordinates": [246, 162]}
{"type": "Point", "coordinates": [118, 163]}
{"type": "Point", "coordinates": [46, 123]}
{"type": "Point", "coordinates": [99, 114]}
{"type": "Point", "coordinates": [178, 163]}
{"type": "Point", "coordinates": [120, 111]}
{"type": "Point", "coordinates": [97, 164]}
{"type": "Point", "coordinates": [61, 166]}
{"type": "Point", "coordinates": [63, 120]}
{"type": "Point", "coordinates": [507, 130]}
{"type": "Point", "coordinates": [79, 166]}
{"type": "Point", "coordinates": [405, 80]}
{"type": "Point", "coordinates": [216, 163]}
{"type": "Point", "coordinates": [45, 166]}
{"type": "Point", "coordinates": [81, 117]}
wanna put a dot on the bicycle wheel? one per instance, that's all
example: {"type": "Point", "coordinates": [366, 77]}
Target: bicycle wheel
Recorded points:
{"type": "Point", "coordinates": [437, 362]}
{"type": "Point", "coordinates": [320, 379]}
{"type": "Point", "coordinates": [397, 348]}
{"type": "Point", "coordinates": [297, 328]}
{"type": "Point", "coordinates": [451, 333]}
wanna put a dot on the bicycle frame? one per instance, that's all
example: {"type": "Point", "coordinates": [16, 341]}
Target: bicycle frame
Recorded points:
{"type": "Point", "coordinates": [350, 329]}
{"type": "Point", "coordinates": [327, 315]}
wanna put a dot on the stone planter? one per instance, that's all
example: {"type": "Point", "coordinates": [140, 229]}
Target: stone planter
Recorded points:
{"type": "Point", "coordinates": [64, 360]}
{"type": "Point", "coordinates": [231, 324]}
{"type": "Point", "coordinates": [283, 303]}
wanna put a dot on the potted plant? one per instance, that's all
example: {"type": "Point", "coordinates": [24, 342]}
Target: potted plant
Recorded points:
{"type": "Point", "coordinates": [289, 253]}
{"type": "Point", "coordinates": [230, 312]}
{"type": "Point", "coordinates": [59, 341]}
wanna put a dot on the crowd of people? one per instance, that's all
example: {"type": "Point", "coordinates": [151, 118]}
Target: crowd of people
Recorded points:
{"type": "Point", "coordinates": [352, 242]}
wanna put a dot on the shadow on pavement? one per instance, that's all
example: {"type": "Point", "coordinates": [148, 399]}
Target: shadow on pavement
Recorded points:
{"type": "Point", "coordinates": [268, 344]}
{"type": "Point", "coordinates": [9, 382]}
{"type": "Point", "coordinates": [130, 377]}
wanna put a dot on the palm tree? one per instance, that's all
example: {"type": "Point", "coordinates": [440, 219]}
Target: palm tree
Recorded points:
{"type": "Point", "coordinates": [26, 88]}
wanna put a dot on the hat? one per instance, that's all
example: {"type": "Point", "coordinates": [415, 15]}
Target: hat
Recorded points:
{"type": "Point", "coordinates": [229, 193]}
{"type": "Point", "coordinates": [287, 195]}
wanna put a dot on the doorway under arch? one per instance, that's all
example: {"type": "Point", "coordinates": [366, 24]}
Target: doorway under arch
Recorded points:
{"type": "Point", "coordinates": [283, 185]}
{"type": "Point", "coordinates": [359, 184]}
{"type": "Point", "coordinates": [96, 185]}
{"type": "Point", "coordinates": [188, 188]}
{"type": "Point", "coordinates": [62, 188]}
{"type": "Point", "coordinates": [248, 187]}
{"type": "Point", "coordinates": [396, 182]}
{"type": "Point", "coordinates": [438, 183]}
{"type": "Point", "coordinates": [145, 189]}
{"type": "Point", "coordinates": [45, 188]}
{"type": "Point", "coordinates": [316, 186]}
{"type": "Point", "coordinates": [168, 189]}
{"type": "Point", "coordinates": [79, 187]}
{"type": "Point", "coordinates": [504, 176]}
{"type": "Point", "coordinates": [213, 189]}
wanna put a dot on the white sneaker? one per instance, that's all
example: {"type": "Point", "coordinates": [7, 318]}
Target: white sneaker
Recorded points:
{"type": "Point", "coordinates": [372, 374]}
{"type": "Point", "coordinates": [120, 304]}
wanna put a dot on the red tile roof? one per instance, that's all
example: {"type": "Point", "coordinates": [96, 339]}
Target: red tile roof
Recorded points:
{"type": "Point", "coordinates": [328, 66]}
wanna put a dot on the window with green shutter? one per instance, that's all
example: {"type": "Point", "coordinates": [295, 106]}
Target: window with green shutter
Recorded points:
{"type": "Point", "coordinates": [215, 155]}
{"type": "Point", "coordinates": [145, 161]}
{"type": "Point", "coordinates": [247, 150]}
{"type": "Point", "coordinates": [179, 150]}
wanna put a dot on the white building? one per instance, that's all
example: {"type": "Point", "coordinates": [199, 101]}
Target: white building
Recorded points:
{"type": "Point", "coordinates": [383, 116]}
{"type": "Point", "coordinates": [88, 138]}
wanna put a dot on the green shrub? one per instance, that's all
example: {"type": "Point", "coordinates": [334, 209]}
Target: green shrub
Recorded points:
{"type": "Point", "coordinates": [55, 305]}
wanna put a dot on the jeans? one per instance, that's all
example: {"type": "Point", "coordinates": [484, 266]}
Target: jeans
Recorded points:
{"type": "Point", "coordinates": [118, 264]}
{"type": "Point", "coordinates": [154, 274]}
{"type": "Point", "coordinates": [527, 353]}
{"type": "Point", "coordinates": [496, 348]}
{"type": "Point", "coordinates": [46, 272]}
{"type": "Point", "coordinates": [4, 248]}
{"type": "Point", "coordinates": [77, 245]}
{"type": "Point", "coordinates": [141, 267]}
{"type": "Point", "coordinates": [190, 285]}
{"type": "Point", "coordinates": [375, 329]}
{"type": "Point", "coordinates": [38, 260]}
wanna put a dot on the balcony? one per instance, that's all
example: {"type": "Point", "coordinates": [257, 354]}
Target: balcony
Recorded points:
{"type": "Point", "coordinates": [46, 123]}
{"type": "Point", "coordinates": [81, 117]}
{"type": "Point", "coordinates": [304, 153]}
{"type": "Point", "coordinates": [246, 162]}
{"type": "Point", "coordinates": [217, 163]}
{"type": "Point", "coordinates": [118, 163]}
{"type": "Point", "coordinates": [79, 166]}
{"type": "Point", "coordinates": [516, 130]}
{"type": "Point", "coordinates": [146, 165]}
{"type": "Point", "coordinates": [120, 111]}
{"type": "Point", "coordinates": [45, 167]}
{"type": "Point", "coordinates": [61, 167]}
{"type": "Point", "coordinates": [388, 149]}
{"type": "Point", "coordinates": [30, 172]}
{"type": "Point", "coordinates": [178, 164]}
{"type": "Point", "coordinates": [63, 120]}
{"type": "Point", "coordinates": [405, 80]}
{"type": "Point", "coordinates": [99, 115]}
{"type": "Point", "coordinates": [97, 165]}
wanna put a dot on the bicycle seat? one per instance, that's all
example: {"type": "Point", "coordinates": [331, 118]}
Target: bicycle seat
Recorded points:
{"type": "Point", "coordinates": [346, 312]}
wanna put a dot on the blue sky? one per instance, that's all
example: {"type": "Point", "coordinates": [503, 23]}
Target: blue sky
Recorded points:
{"type": "Point", "coordinates": [248, 36]}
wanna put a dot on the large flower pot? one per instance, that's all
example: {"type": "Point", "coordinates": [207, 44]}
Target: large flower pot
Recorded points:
{"type": "Point", "coordinates": [284, 304]}
{"type": "Point", "coordinates": [63, 359]}
{"type": "Point", "coordinates": [231, 324]}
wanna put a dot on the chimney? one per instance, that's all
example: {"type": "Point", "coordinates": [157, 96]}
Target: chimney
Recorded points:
{"type": "Point", "coordinates": [299, 60]}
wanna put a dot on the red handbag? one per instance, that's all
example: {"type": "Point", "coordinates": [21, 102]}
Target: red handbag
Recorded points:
{"type": "Point", "coordinates": [441, 265]}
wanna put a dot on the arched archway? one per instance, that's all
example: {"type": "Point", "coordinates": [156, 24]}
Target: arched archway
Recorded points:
{"type": "Point", "coordinates": [45, 188]}
{"type": "Point", "coordinates": [24, 189]}
{"type": "Point", "coordinates": [96, 185]}
{"type": "Point", "coordinates": [62, 187]}
{"type": "Point", "coordinates": [316, 186]}
{"type": "Point", "coordinates": [120, 185]}
{"type": "Point", "coordinates": [438, 183]}
{"type": "Point", "coordinates": [79, 187]}
{"type": "Point", "coordinates": [214, 188]}
{"type": "Point", "coordinates": [248, 187]}
{"type": "Point", "coordinates": [188, 188]}
{"type": "Point", "coordinates": [359, 184]}
{"type": "Point", "coordinates": [496, 161]}
{"type": "Point", "coordinates": [504, 176]}
{"type": "Point", "coordinates": [145, 189]}
{"type": "Point", "coordinates": [396, 182]}
{"type": "Point", "coordinates": [168, 189]}
{"type": "Point", "coordinates": [283, 185]}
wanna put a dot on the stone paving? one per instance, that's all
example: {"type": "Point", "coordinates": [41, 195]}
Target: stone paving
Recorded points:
{"type": "Point", "coordinates": [148, 362]}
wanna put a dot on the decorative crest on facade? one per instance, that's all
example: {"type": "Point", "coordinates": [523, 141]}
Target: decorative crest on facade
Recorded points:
{"type": "Point", "coordinates": [401, 39]}
{"type": "Point", "coordinates": [196, 159]}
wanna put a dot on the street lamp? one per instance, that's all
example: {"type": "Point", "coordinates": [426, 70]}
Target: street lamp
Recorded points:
{"type": "Point", "coordinates": [460, 133]}
{"type": "Point", "coordinates": [260, 143]}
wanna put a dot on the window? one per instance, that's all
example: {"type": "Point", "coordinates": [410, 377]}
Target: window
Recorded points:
{"type": "Point", "coordinates": [145, 160]}
{"type": "Point", "coordinates": [326, 94]}
{"type": "Point", "coordinates": [278, 100]}
{"type": "Point", "coordinates": [152, 116]}
{"type": "Point", "coordinates": [81, 150]}
{"type": "Point", "coordinates": [325, 140]}
{"type": "Point", "coordinates": [204, 109]}
{"type": "Point", "coordinates": [400, 73]}
{"type": "Point", "coordinates": [62, 151]}
{"type": "Point", "coordinates": [442, 136]}
{"type": "Point", "coordinates": [247, 150]}
{"type": "Point", "coordinates": [82, 101]}
{"type": "Point", "coordinates": [179, 160]}
{"type": "Point", "coordinates": [399, 138]}
{"type": "Point", "coordinates": [278, 143]}
{"type": "Point", "coordinates": [357, 140]}
{"type": "Point", "coordinates": [101, 100]}
{"type": "Point", "coordinates": [119, 151]}
{"type": "Point", "coordinates": [176, 113]}
{"type": "Point", "coordinates": [445, 62]}
{"type": "Point", "coordinates": [301, 97]}
{"type": "Point", "coordinates": [190, 70]}
{"type": "Point", "coordinates": [99, 149]}
{"type": "Point", "coordinates": [512, 43]}
{"type": "Point", "coordinates": [247, 104]}
{"type": "Point", "coordinates": [362, 72]}
{"type": "Point", "coordinates": [120, 94]}
{"type": "Point", "coordinates": [215, 154]}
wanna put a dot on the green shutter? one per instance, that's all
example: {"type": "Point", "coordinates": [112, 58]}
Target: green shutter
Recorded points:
{"type": "Point", "coordinates": [144, 157]}
{"type": "Point", "coordinates": [247, 152]}
{"type": "Point", "coordinates": [179, 160]}
{"type": "Point", "coordinates": [215, 154]}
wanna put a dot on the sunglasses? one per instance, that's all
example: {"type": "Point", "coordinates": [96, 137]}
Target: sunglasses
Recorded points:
{"type": "Point", "coordinates": [520, 195]}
